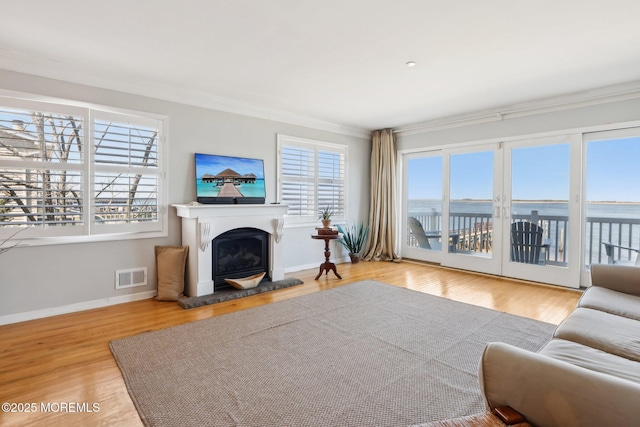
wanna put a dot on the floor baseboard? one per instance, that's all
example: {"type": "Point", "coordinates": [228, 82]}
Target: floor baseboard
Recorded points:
{"type": "Point", "coordinates": [72, 308]}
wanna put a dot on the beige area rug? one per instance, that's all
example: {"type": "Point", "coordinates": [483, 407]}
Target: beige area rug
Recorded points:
{"type": "Point", "coordinates": [364, 354]}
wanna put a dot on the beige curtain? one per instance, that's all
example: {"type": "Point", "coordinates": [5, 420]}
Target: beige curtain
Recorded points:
{"type": "Point", "coordinates": [382, 214]}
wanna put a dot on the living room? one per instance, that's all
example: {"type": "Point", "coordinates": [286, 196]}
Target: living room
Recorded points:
{"type": "Point", "coordinates": [54, 275]}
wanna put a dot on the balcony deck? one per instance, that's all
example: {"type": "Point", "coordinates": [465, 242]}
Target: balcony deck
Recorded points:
{"type": "Point", "coordinates": [476, 234]}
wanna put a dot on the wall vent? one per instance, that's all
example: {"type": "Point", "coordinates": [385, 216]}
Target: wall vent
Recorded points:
{"type": "Point", "coordinates": [131, 277]}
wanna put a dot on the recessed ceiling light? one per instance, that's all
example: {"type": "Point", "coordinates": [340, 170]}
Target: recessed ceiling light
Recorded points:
{"type": "Point", "coordinates": [411, 64]}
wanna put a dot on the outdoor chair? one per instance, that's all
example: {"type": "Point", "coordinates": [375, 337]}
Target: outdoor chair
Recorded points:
{"type": "Point", "coordinates": [418, 232]}
{"type": "Point", "coordinates": [610, 249]}
{"type": "Point", "coordinates": [424, 237]}
{"type": "Point", "coordinates": [527, 243]}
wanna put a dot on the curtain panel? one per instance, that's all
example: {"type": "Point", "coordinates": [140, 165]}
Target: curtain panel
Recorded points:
{"type": "Point", "coordinates": [381, 244]}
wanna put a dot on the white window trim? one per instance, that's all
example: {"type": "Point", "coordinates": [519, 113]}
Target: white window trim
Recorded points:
{"type": "Point", "coordinates": [40, 237]}
{"type": "Point", "coordinates": [305, 221]}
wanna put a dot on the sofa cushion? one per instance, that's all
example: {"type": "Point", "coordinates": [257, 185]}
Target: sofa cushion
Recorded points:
{"type": "Point", "coordinates": [593, 359]}
{"type": "Point", "coordinates": [603, 331]}
{"type": "Point", "coordinates": [553, 393]}
{"type": "Point", "coordinates": [621, 278]}
{"type": "Point", "coordinates": [613, 302]}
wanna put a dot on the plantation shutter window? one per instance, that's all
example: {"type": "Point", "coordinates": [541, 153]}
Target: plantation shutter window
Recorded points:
{"type": "Point", "coordinates": [331, 181]}
{"type": "Point", "coordinates": [126, 173]}
{"type": "Point", "coordinates": [311, 177]}
{"type": "Point", "coordinates": [41, 172]}
{"type": "Point", "coordinates": [78, 171]}
{"type": "Point", "coordinates": [298, 181]}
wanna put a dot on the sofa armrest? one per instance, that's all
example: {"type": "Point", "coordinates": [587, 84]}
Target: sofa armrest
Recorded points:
{"type": "Point", "coordinates": [553, 393]}
{"type": "Point", "coordinates": [621, 278]}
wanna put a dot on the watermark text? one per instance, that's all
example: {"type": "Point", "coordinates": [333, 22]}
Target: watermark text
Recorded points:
{"type": "Point", "coordinates": [64, 407]}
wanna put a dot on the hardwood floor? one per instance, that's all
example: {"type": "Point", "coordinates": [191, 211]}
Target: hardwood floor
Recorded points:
{"type": "Point", "coordinates": [66, 358]}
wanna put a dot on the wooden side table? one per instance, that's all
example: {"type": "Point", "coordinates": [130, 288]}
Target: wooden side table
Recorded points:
{"type": "Point", "coordinates": [327, 265]}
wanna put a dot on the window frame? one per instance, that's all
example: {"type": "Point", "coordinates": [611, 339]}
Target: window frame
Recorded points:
{"type": "Point", "coordinates": [89, 230]}
{"type": "Point", "coordinates": [315, 146]}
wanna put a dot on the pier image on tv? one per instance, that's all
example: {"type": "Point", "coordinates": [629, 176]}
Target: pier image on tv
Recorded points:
{"type": "Point", "coordinates": [228, 180]}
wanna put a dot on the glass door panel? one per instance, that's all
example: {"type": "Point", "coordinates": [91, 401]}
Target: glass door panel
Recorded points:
{"type": "Point", "coordinates": [423, 189]}
{"type": "Point", "coordinates": [540, 230]}
{"type": "Point", "coordinates": [471, 203]}
{"type": "Point", "coordinates": [540, 196]}
{"type": "Point", "coordinates": [612, 208]}
{"type": "Point", "coordinates": [474, 188]}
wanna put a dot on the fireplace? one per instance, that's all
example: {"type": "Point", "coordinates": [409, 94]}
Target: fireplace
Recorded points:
{"type": "Point", "coordinates": [202, 224]}
{"type": "Point", "coordinates": [239, 253]}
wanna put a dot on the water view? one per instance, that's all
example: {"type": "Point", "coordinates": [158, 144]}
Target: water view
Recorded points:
{"type": "Point", "coordinates": [253, 189]}
{"type": "Point", "coordinates": [618, 223]}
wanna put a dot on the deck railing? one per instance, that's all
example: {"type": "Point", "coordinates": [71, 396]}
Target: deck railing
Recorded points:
{"type": "Point", "coordinates": [618, 231]}
{"type": "Point", "coordinates": [475, 232]}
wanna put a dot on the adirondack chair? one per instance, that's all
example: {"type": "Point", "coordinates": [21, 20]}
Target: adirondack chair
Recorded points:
{"type": "Point", "coordinates": [610, 249]}
{"type": "Point", "coordinates": [418, 232]}
{"type": "Point", "coordinates": [424, 237]}
{"type": "Point", "coordinates": [527, 243]}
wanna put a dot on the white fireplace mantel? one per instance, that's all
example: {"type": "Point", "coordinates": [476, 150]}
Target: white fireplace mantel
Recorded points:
{"type": "Point", "coordinates": [202, 223]}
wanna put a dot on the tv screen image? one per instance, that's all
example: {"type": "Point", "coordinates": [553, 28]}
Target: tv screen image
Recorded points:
{"type": "Point", "coordinates": [226, 179]}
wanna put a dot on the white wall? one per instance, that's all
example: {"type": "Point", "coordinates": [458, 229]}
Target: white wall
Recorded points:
{"type": "Point", "coordinates": [574, 118]}
{"type": "Point", "coordinates": [51, 279]}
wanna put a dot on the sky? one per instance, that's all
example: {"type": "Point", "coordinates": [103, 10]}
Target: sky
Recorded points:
{"type": "Point", "coordinates": [214, 164]}
{"type": "Point", "coordinates": [614, 170]}
{"type": "Point", "coordinates": [538, 173]}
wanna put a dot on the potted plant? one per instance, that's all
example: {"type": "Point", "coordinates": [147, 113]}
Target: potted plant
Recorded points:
{"type": "Point", "coordinates": [325, 216]}
{"type": "Point", "coordinates": [353, 239]}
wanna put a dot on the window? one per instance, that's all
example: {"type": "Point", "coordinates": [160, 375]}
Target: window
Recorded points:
{"type": "Point", "coordinates": [72, 171]}
{"type": "Point", "coordinates": [311, 176]}
{"type": "Point", "coordinates": [126, 173]}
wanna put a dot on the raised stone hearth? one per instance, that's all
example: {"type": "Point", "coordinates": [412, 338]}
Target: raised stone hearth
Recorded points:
{"type": "Point", "coordinates": [202, 223]}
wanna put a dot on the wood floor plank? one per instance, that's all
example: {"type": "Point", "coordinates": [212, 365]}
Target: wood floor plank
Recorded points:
{"type": "Point", "coordinates": [67, 359]}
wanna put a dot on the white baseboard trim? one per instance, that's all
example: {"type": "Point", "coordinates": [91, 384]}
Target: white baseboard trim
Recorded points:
{"type": "Point", "coordinates": [300, 267]}
{"type": "Point", "coordinates": [315, 265]}
{"type": "Point", "coordinates": [72, 308]}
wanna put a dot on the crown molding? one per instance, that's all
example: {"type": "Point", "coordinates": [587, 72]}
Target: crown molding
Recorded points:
{"type": "Point", "coordinates": [21, 62]}
{"type": "Point", "coordinates": [586, 98]}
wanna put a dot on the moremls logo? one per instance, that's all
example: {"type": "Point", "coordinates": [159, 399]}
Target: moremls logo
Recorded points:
{"type": "Point", "coordinates": [70, 407]}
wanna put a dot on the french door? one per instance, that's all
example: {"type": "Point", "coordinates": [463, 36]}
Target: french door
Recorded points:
{"type": "Point", "coordinates": [449, 203]}
{"type": "Point", "coordinates": [466, 201]}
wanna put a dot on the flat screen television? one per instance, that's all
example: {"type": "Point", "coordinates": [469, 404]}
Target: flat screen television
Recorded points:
{"type": "Point", "coordinates": [229, 180]}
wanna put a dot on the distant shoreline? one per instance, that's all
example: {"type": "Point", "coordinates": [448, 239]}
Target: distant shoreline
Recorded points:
{"type": "Point", "coordinates": [530, 201]}
{"type": "Point", "coordinates": [613, 203]}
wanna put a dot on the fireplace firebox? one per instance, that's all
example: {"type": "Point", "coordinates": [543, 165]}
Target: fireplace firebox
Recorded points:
{"type": "Point", "coordinates": [239, 253]}
{"type": "Point", "coordinates": [201, 223]}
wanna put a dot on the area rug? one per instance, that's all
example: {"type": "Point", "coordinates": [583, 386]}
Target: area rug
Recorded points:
{"type": "Point", "coordinates": [227, 295]}
{"type": "Point", "coordinates": [364, 354]}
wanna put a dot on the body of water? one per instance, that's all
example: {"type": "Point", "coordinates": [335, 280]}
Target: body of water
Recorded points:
{"type": "Point", "coordinates": [209, 189]}
{"type": "Point", "coordinates": [600, 210]}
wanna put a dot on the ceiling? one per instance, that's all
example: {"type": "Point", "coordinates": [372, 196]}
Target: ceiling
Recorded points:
{"type": "Point", "coordinates": [338, 62]}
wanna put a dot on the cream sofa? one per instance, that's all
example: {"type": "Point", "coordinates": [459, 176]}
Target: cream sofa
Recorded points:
{"type": "Point", "coordinates": [588, 374]}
